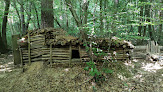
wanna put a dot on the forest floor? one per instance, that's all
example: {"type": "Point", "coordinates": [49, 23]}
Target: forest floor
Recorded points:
{"type": "Point", "coordinates": [135, 76]}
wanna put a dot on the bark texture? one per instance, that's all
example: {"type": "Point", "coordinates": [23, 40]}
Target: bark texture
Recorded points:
{"type": "Point", "coordinates": [4, 24]}
{"type": "Point", "coordinates": [47, 16]}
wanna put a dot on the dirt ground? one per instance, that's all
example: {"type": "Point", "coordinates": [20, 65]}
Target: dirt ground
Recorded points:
{"type": "Point", "coordinates": [135, 76]}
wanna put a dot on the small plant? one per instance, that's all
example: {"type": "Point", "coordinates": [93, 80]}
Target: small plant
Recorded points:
{"type": "Point", "coordinates": [98, 76]}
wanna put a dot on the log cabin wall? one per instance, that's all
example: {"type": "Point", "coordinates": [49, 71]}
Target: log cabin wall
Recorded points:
{"type": "Point", "coordinates": [83, 54]}
{"type": "Point", "coordinates": [58, 54]}
{"type": "Point", "coordinates": [35, 51]}
{"type": "Point", "coordinates": [64, 54]}
{"type": "Point", "coordinates": [54, 46]}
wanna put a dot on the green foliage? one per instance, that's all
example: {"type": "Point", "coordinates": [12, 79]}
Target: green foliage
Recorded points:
{"type": "Point", "coordinates": [97, 74]}
{"type": "Point", "coordinates": [92, 67]}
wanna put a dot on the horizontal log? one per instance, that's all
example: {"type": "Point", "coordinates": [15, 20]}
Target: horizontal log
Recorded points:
{"type": "Point", "coordinates": [56, 55]}
{"type": "Point", "coordinates": [37, 36]}
{"type": "Point", "coordinates": [75, 60]}
{"type": "Point", "coordinates": [55, 48]}
{"type": "Point", "coordinates": [32, 54]}
{"type": "Point", "coordinates": [57, 51]}
{"type": "Point", "coordinates": [54, 58]}
{"type": "Point", "coordinates": [46, 53]}
{"type": "Point", "coordinates": [83, 55]}
{"type": "Point", "coordinates": [37, 42]}
{"type": "Point", "coordinates": [36, 47]}
{"type": "Point", "coordinates": [32, 60]}
{"type": "Point", "coordinates": [32, 57]}
{"type": "Point", "coordinates": [61, 61]}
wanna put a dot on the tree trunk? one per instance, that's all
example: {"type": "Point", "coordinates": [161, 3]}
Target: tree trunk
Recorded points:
{"type": "Point", "coordinates": [101, 17]}
{"type": "Point", "coordinates": [148, 20]}
{"type": "Point", "coordinates": [22, 18]}
{"type": "Point", "coordinates": [4, 23]}
{"type": "Point", "coordinates": [141, 20]}
{"type": "Point", "coordinates": [113, 26]}
{"type": "Point", "coordinates": [29, 17]}
{"type": "Point", "coordinates": [17, 11]}
{"type": "Point", "coordinates": [38, 23]}
{"type": "Point", "coordinates": [144, 32]}
{"type": "Point", "coordinates": [1, 42]}
{"type": "Point", "coordinates": [160, 38]}
{"type": "Point", "coordinates": [47, 16]}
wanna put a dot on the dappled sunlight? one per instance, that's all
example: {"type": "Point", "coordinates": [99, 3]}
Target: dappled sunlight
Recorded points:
{"type": "Point", "coordinates": [5, 70]}
{"type": "Point", "coordinates": [6, 67]}
{"type": "Point", "coordinates": [135, 60]}
{"type": "Point", "coordinates": [66, 70]}
{"type": "Point", "coordinates": [152, 67]}
{"type": "Point", "coordinates": [129, 63]}
{"type": "Point", "coordinates": [121, 77]}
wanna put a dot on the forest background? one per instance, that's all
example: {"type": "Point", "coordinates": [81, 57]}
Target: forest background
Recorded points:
{"type": "Point", "coordinates": [136, 20]}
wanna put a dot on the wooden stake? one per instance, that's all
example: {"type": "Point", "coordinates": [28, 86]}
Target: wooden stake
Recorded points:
{"type": "Point", "coordinates": [21, 58]}
{"type": "Point", "coordinates": [70, 50]}
{"type": "Point", "coordinates": [80, 53]}
{"type": "Point", "coordinates": [51, 55]}
{"type": "Point", "coordinates": [29, 49]}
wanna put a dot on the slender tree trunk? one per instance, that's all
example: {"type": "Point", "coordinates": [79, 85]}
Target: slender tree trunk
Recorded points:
{"type": "Point", "coordinates": [17, 11]}
{"type": "Point", "coordinates": [74, 14]}
{"type": "Point", "coordinates": [79, 22]}
{"type": "Point", "coordinates": [22, 18]}
{"type": "Point", "coordinates": [29, 16]}
{"type": "Point", "coordinates": [38, 23]}
{"type": "Point", "coordinates": [2, 47]}
{"type": "Point", "coordinates": [56, 20]}
{"type": "Point", "coordinates": [144, 31]}
{"type": "Point", "coordinates": [67, 22]}
{"type": "Point", "coordinates": [145, 14]}
{"type": "Point", "coordinates": [160, 38]}
{"type": "Point", "coordinates": [101, 17]}
{"type": "Point", "coordinates": [4, 23]}
{"type": "Point", "coordinates": [148, 20]}
{"type": "Point", "coordinates": [47, 16]}
{"type": "Point", "coordinates": [141, 20]}
{"type": "Point", "coordinates": [113, 26]}
{"type": "Point", "coordinates": [85, 10]}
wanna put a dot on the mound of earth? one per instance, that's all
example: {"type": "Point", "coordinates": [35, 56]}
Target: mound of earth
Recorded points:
{"type": "Point", "coordinates": [135, 76]}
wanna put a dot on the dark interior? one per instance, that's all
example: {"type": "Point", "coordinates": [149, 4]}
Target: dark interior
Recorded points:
{"type": "Point", "coordinates": [75, 54]}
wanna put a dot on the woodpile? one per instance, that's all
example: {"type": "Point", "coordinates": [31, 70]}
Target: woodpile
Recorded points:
{"type": "Point", "coordinates": [55, 45]}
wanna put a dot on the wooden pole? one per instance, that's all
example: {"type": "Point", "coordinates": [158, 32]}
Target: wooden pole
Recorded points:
{"type": "Point", "coordinates": [51, 55]}
{"type": "Point", "coordinates": [70, 51]}
{"type": "Point", "coordinates": [29, 49]}
{"type": "Point", "coordinates": [80, 53]}
{"type": "Point", "coordinates": [16, 51]}
{"type": "Point", "coordinates": [123, 54]}
{"type": "Point", "coordinates": [21, 58]}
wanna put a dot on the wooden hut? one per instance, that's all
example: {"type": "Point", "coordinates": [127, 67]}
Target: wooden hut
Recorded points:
{"type": "Point", "coordinates": [56, 46]}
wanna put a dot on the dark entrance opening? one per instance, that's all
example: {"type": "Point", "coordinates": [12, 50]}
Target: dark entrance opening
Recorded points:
{"type": "Point", "coordinates": [75, 54]}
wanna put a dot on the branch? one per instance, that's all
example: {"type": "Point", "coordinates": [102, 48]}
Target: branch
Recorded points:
{"type": "Point", "coordinates": [55, 18]}
{"type": "Point", "coordinates": [85, 8]}
{"type": "Point", "coordinates": [29, 17]}
{"type": "Point", "coordinates": [73, 13]}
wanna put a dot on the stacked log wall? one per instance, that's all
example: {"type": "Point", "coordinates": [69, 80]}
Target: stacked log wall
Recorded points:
{"type": "Point", "coordinates": [63, 54]}
{"type": "Point", "coordinates": [59, 55]}
{"type": "Point", "coordinates": [83, 54]}
{"type": "Point", "coordinates": [36, 45]}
